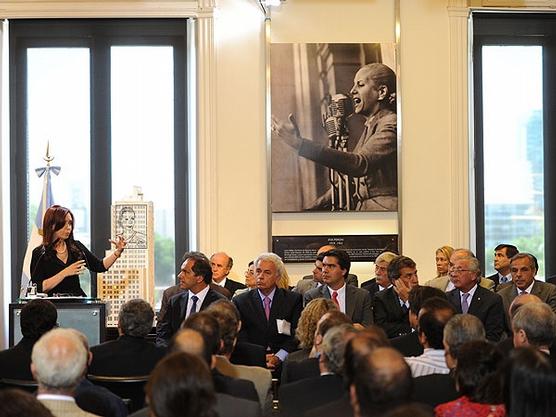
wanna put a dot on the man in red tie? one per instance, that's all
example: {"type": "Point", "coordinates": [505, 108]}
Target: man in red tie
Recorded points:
{"type": "Point", "coordinates": [354, 302]}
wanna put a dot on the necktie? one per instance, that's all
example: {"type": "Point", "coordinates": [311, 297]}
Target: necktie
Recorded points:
{"type": "Point", "coordinates": [464, 303]}
{"type": "Point", "coordinates": [335, 298]}
{"type": "Point", "coordinates": [193, 305]}
{"type": "Point", "coordinates": [266, 302]}
{"type": "Point", "coordinates": [522, 292]}
{"type": "Point", "coordinates": [503, 280]}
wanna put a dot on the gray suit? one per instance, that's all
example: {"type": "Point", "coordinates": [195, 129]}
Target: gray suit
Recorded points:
{"type": "Point", "coordinates": [442, 282]}
{"type": "Point", "coordinates": [358, 302]}
{"type": "Point", "coordinates": [546, 292]}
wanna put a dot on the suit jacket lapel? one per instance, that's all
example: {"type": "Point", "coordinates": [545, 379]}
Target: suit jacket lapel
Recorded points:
{"type": "Point", "coordinates": [184, 298]}
{"type": "Point", "coordinates": [475, 303]}
{"type": "Point", "coordinates": [276, 305]}
{"type": "Point", "coordinates": [350, 301]}
{"type": "Point", "coordinates": [456, 299]}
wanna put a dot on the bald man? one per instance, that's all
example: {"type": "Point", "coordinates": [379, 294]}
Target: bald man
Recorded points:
{"type": "Point", "coordinates": [222, 264]}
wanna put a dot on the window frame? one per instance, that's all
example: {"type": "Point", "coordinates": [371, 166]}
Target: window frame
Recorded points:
{"type": "Point", "coordinates": [517, 29]}
{"type": "Point", "coordinates": [98, 35]}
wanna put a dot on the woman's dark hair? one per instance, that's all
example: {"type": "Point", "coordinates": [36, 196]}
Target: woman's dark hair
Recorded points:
{"type": "Point", "coordinates": [529, 384]}
{"type": "Point", "coordinates": [477, 372]}
{"type": "Point", "coordinates": [18, 403]}
{"type": "Point", "coordinates": [181, 386]}
{"type": "Point", "coordinates": [54, 220]}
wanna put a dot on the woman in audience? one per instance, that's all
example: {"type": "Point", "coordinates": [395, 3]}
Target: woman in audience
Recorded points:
{"type": "Point", "coordinates": [307, 326]}
{"type": "Point", "coordinates": [478, 382]}
{"type": "Point", "coordinates": [529, 384]}
{"type": "Point", "coordinates": [181, 386]}
{"type": "Point", "coordinates": [443, 260]}
{"type": "Point", "coordinates": [250, 279]}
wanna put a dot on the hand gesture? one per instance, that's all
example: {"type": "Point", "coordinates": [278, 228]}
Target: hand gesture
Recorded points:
{"type": "Point", "coordinates": [120, 243]}
{"type": "Point", "coordinates": [288, 131]}
{"type": "Point", "coordinates": [75, 268]}
{"type": "Point", "coordinates": [272, 361]}
{"type": "Point", "coordinates": [402, 289]}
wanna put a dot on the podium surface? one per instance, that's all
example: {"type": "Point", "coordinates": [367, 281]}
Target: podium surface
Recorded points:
{"type": "Point", "coordinates": [88, 315]}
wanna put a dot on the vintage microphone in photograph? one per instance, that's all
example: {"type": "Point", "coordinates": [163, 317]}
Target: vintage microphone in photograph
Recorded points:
{"type": "Point", "coordinates": [334, 121]}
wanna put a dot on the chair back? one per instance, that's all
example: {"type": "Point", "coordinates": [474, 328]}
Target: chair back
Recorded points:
{"type": "Point", "coordinates": [131, 389]}
{"type": "Point", "coordinates": [25, 385]}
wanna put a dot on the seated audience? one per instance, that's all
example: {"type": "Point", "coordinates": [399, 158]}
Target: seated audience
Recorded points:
{"type": "Point", "coordinates": [442, 258]}
{"type": "Point", "coordinates": [534, 325]}
{"type": "Point", "coordinates": [351, 278]}
{"type": "Point", "coordinates": [37, 317]}
{"type": "Point", "coordinates": [529, 384]}
{"type": "Point", "coordinates": [58, 363]}
{"type": "Point", "coordinates": [228, 320]}
{"type": "Point", "coordinates": [470, 298]}
{"type": "Point", "coordinates": [195, 279]}
{"type": "Point", "coordinates": [181, 386]}
{"type": "Point", "coordinates": [192, 344]}
{"type": "Point", "coordinates": [222, 264]}
{"type": "Point", "coordinates": [131, 354]}
{"type": "Point", "coordinates": [94, 398]}
{"type": "Point", "coordinates": [391, 306]}
{"type": "Point", "coordinates": [381, 381]}
{"type": "Point", "coordinates": [311, 281]}
{"type": "Point", "coordinates": [380, 282]}
{"type": "Point", "coordinates": [207, 326]}
{"type": "Point", "coordinates": [523, 268]}
{"type": "Point", "coordinates": [294, 371]}
{"type": "Point", "coordinates": [18, 403]}
{"type": "Point", "coordinates": [408, 344]}
{"type": "Point", "coordinates": [434, 315]}
{"type": "Point", "coordinates": [270, 315]}
{"type": "Point", "coordinates": [354, 302]}
{"type": "Point", "coordinates": [477, 379]}
{"type": "Point", "coordinates": [307, 326]}
{"type": "Point", "coordinates": [328, 387]}
{"type": "Point", "coordinates": [435, 389]}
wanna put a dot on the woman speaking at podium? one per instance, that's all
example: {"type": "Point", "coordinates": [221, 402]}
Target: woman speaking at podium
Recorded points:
{"type": "Point", "coordinates": [57, 263]}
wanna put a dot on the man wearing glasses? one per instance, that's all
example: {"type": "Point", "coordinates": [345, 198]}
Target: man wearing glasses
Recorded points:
{"type": "Point", "coordinates": [468, 297]}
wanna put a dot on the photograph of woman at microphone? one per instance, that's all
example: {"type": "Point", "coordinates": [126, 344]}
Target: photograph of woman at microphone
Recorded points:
{"type": "Point", "coordinates": [57, 263]}
{"type": "Point", "coordinates": [357, 137]}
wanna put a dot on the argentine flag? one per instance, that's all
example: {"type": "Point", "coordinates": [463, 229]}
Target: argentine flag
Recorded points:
{"type": "Point", "coordinates": [35, 239]}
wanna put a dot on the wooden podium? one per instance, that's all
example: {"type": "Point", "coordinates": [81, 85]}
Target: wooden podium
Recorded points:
{"type": "Point", "coordinates": [88, 315]}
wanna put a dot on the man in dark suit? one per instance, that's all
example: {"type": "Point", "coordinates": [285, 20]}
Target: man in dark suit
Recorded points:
{"type": "Point", "coordinates": [503, 253]}
{"type": "Point", "coordinates": [329, 386]}
{"type": "Point", "coordinates": [131, 354]}
{"type": "Point", "coordinates": [350, 280]}
{"type": "Point", "coordinates": [523, 267]}
{"type": "Point", "coordinates": [381, 281]}
{"type": "Point", "coordinates": [221, 265]}
{"type": "Point", "coordinates": [306, 284]}
{"type": "Point", "coordinates": [270, 314]}
{"type": "Point", "coordinates": [408, 344]}
{"type": "Point", "coordinates": [534, 325]}
{"type": "Point", "coordinates": [37, 317]}
{"type": "Point", "coordinates": [391, 306]}
{"type": "Point", "coordinates": [195, 277]}
{"type": "Point", "coordinates": [354, 302]}
{"type": "Point", "coordinates": [470, 298]}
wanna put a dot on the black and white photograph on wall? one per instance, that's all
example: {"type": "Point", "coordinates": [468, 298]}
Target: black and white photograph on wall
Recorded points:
{"type": "Point", "coordinates": [333, 127]}
{"type": "Point", "coordinates": [131, 224]}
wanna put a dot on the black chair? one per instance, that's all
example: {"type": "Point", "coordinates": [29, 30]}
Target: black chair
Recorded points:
{"type": "Point", "coordinates": [29, 386]}
{"type": "Point", "coordinates": [131, 389]}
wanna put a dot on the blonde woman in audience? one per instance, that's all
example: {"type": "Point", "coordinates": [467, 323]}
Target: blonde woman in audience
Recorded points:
{"type": "Point", "coordinates": [307, 326]}
{"type": "Point", "coordinates": [442, 280]}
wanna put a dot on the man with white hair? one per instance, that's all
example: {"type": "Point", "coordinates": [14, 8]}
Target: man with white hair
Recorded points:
{"type": "Point", "coordinates": [270, 314]}
{"type": "Point", "coordinates": [58, 363]}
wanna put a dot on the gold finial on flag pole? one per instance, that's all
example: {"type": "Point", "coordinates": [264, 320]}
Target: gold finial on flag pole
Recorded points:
{"type": "Point", "coordinates": [48, 158]}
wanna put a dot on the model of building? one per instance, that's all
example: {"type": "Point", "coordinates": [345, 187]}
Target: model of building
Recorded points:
{"type": "Point", "coordinates": [132, 276]}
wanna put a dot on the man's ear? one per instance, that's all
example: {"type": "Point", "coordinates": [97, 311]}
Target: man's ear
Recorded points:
{"type": "Point", "coordinates": [34, 371]}
{"type": "Point", "coordinates": [521, 337]}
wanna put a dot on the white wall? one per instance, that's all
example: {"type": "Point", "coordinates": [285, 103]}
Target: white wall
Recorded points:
{"type": "Point", "coordinates": [425, 185]}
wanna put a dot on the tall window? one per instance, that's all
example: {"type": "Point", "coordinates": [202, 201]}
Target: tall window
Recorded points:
{"type": "Point", "coordinates": [109, 97]}
{"type": "Point", "coordinates": [514, 58]}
